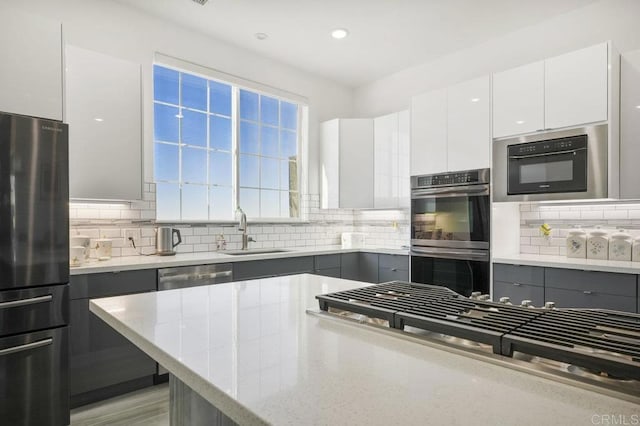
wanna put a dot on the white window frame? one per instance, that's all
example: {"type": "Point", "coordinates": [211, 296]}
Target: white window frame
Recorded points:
{"type": "Point", "coordinates": [238, 84]}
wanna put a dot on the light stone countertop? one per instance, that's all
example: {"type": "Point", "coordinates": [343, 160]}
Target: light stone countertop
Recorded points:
{"type": "Point", "coordinates": [251, 349]}
{"type": "Point", "coordinates": [127, 263]}
{"type": "Point", "coordinates": [569, 263]}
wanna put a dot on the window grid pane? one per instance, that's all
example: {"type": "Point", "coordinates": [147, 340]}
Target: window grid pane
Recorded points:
{"type": "Point", "coordinates": [193, 121]}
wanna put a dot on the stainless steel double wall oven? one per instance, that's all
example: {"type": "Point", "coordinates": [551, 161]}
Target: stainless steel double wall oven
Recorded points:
{"type": "Point", "coordinates": [450, 230]}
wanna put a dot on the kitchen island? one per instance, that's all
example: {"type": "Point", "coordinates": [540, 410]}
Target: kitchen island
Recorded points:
{"type": "Point", "coordinates": [252, 350]}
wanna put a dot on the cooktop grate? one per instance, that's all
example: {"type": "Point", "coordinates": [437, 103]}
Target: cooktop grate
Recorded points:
{"type": "Point", "coordinates": [384, 300]}
{"type": "Point", "coordinates": [598, 340]}
{"type": "Point", "coordinates": [479, 321]}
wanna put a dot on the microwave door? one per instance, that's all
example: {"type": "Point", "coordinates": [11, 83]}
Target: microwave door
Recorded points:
{"type": "Point", "coordinates": [562, 171]}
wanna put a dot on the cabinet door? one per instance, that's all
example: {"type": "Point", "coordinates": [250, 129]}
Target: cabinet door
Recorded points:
{"type": "Point", "coordinates": [330, 164]}
{"type": "Point", "coordinates": [630, 125]}
{"type": "Point", "coordinates": [404, 158]}
{"type": "Point", "coordinates": [104, 112]}
{"type": "Point", "coordinates": [576, 87]}
{"type": "Point", "coordinates": [429, 133]}
{"type": "Point", "coordinates": [469, 125]}
{"type": "Point", "coordinates": [31, 71]}
{"type": "Point", "coordinates": [518, 100]}
{"type": "Point", "coordinates": [356, 163]}
{"type": "Point", "coordinates": [589, 299]}
{"type": "Point", "coordinates": [272, 268]}
{"type": "Point", "coordinates": [386, 161]}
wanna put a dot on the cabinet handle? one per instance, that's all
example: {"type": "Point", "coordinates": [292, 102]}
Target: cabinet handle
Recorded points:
{"type": "Point", "coordinates": [26, 347]}
{"type": "Point", "coordinates": [587, 292]}
{"type": "Point", "coordinates": [24, 302]}
{"type": "Point", "coordinates": [394, 269]}
{"type": "Point", "coordinates": [517, 284]}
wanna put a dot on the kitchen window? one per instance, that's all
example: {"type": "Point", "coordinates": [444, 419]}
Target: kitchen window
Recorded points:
{"type": "Point", "coordinates": [218, 146]}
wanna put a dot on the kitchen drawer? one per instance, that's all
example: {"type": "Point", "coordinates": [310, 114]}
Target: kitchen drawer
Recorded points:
{"type": "Point", "coordinates": [112, 284]}
{"type": "Point", "coordinates": [590, 299]}
{"type": "Point", "coordinates": [596, 282]}
{"type": "Point", "coordinates": [393, 261]}
{"type": "Point", "coordinates": [531, 275]}
{"type": "Point", "coordinates": [327, 261]}
{"type": "Point", "coordinates": [272, 268]}
{"type": "Point", "coordinates": [33, 309]}
{"type": "Point", "coordinates": [329, 272]}
{"type": "Point", "coordinates": [392, 274]}
{"type": "Point", "coordinates": [518, 292]}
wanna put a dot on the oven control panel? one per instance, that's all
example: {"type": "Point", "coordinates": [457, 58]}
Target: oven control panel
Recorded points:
{"type": "Point", "coordinates": [467, 177]}
{"type": "Point", "coordinates": [548, 146]}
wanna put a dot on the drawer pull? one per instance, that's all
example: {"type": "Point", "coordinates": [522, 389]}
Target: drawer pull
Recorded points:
{"type": "Point", "coordinates": [517, 284]}
{"type": "Point", "coordinates": [587, 292]}
{"type": "Point", "coordinates": [26, 347]}
{"type": "Point", "coordinates": [394, 269]}
{"type": "Point", "coordinates": [25, 302]}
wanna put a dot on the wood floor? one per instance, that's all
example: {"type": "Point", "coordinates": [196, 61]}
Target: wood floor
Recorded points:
{"type": "Point", "coordinates": [146, 407]}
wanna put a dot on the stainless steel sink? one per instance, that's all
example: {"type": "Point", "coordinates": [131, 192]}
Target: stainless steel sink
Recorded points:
{"type": "Point", "coordinates": [251, 251]}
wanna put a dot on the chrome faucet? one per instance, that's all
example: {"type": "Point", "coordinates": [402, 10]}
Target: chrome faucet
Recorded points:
{"type": "Point", "coordinates": [242, 226]}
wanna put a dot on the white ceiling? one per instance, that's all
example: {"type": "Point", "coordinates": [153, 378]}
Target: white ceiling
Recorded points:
{"type": "Point", "coordinates": [386, 36]}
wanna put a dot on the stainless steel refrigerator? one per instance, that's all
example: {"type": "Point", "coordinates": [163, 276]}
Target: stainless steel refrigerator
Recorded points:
{"type": "Point", "coordinates": [34, 271]}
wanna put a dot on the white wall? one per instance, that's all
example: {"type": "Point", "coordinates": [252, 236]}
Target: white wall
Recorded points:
{"type": "Point", "coordinates": [616, 20]}
{"type": "Point", "coordinates": [116, 30]}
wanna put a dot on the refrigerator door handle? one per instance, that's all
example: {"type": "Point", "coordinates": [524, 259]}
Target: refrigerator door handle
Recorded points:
{"type": "Point", "coordinates": [24, 302]}
{"type": "Point", "coordinates": [26, 347]}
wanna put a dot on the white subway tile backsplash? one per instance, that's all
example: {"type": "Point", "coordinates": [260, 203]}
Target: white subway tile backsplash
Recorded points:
{"type": "Point", "coordinates": [591, 214]}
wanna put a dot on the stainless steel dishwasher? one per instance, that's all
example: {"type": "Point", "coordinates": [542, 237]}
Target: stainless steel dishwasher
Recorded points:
{"type": "Point", "coordinates": [192, 276]}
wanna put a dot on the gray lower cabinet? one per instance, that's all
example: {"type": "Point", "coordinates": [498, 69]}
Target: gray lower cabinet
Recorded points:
{"type": "Point", "coordinates": [327, 265]}
{"type": "Point", "coordinates": [519, 283]}
{"type": "Point", "coordinates": [272, 268]}
{"type": "Point", "coordinates": [359, 267]}
{"type": "Point", "coordinates": [102, 362]}
{"type": "Point", "coordinates": [392, 267]}
{"type": "Point", "coordinates": [570, 288]}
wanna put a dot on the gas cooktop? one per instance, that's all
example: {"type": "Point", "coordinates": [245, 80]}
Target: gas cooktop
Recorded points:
{"type": "Point", "coordinates": [597, 347]}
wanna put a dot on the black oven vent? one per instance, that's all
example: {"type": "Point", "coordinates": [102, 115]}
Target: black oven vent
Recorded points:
{"type": "Point", "coordinates": [383, 301]}
{"type": "Point", "coordinates": [605, 342]}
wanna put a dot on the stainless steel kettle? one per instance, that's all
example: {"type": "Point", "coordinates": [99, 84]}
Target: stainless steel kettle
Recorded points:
{"type": "Point", "coordinates": [166, 240]}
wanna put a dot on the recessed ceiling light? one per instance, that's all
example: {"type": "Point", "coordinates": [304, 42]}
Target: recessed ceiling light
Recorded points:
{"type": "Point", "coordinates": [261, 36]}
{"type": "Point", "coordinates": [99, 120]}
{"type": "Point", "coordinates": [475, 99]}
{"type": "Point", "coordinates": [520, 122]}
{"type": "Point", "coordinates": [638, 106]}
{"type": "Point", "coordinates": [339, 33]}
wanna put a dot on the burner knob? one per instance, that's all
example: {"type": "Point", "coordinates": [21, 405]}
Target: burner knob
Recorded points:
{"type": "Point", "coordinates": [484, 297]}
{"type": "Point", "coordinates": [527, 303]}
{"type": "Point", "coordinates": [475, 294]}
{"type": "Point", "coordinates": [549, 305]}
{"type": "Point", "coordinates": [505, 300]}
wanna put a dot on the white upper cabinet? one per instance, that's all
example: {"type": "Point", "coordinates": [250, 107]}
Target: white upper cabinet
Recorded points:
{"type": "Point", "coordinates": [429, 132]}
{"type": "Point", "coordinates": [564, 91]}
{"type": "Point", "coordinates": [630, 125]}
{"type": "Point", "coordinates": [391, 160]}
{"type": "Point", "coordinates": [31, 70]}
{"type": "Point", "coordinates": [469, 125]}
{"type": "Point", "coordinates": [518, 100]}
{"type": "Point", "coordinates": [346, 163]}
{"type": "Point", "coordinates": [576, 87]}
{"type": "Point", "coordinates": [104, 112]}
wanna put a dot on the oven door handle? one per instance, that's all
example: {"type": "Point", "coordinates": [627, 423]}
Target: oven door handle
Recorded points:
{"type": "Point", "coordinates": [546, 154]}
{"type": "Point", "coordinates": [471, 191]}
{"type": "Point", "coordinates": [480, 255]}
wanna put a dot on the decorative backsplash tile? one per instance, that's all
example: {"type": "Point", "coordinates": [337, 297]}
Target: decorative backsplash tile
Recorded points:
{"type": "Point", "coordinates": [388, 228]}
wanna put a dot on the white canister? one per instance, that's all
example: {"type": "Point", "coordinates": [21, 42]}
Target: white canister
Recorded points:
{"type": "Point", "coordinates": [76, 255]}
{"type": "Point", "coordinates": [577, 243]}
{"type": "Point", "coordinates": [635, 256]}
{"type": "Point", "coordinates": [598, 245]}
{"type": "Point", "coordinates": [81, 241]}
{"type": "Point", "coordinates": [103, 248]}
{"type": "Point", "coordinates": [620, 246]}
